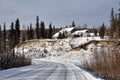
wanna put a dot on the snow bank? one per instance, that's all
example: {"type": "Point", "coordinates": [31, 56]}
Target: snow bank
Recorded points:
{"type": "Point", "coordinates": [40, 48]}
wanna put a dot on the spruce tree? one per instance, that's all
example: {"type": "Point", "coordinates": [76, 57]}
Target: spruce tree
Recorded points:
{"type": "Point", "coordinates": [102, 31]}
{"type": "Point", "coordinates": [46, 33]}
{"type": "Point", "coordinates": [23, 36]}
{"type": "Point", "coordinates": [12, 36]}
{"type": "Point", "coordinates": [95, 32]}
{"type": "Point", "coordinates": [42, 29]}
{"type": "Point", "coordinates": [37, 28]}
{"type": "Point", "coordinates": [112, 21]}
{"type": "Point", "coordinates": [37, 32]}
{"type": "Point", "coordinates": [37, 21]}
{"type": "Point", "coordinates": [50, 31]}
{"type": "Point", "coordinates": [73, 24]}
{"type": "Point", "coordinates": [31, 32]}
{"type": "Point", "coordinates": [28, 33]}
{"type": "Point", "coordinates": [17, 31]}
{"type": "Point", "coordinates": [4, 37]}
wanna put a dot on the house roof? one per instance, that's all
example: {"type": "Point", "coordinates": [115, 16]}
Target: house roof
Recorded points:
{"type": "Point", "coordinates": [67, 29]}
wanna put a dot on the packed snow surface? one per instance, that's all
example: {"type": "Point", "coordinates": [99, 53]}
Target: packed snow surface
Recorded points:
{"type": "Point", "coordinates": [46, 70]}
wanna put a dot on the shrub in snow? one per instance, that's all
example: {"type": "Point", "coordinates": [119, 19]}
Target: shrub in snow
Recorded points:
{"type": "Point", "coordinates": [9, 60]}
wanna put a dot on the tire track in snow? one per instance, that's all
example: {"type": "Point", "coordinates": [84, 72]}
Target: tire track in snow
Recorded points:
{"type": "Point", "coordinates": [59, 74]}
{"type": "Point", "coordinates": [19, 74]}
{"type": "Point", "coordinates": [29, 71]}
{"type": "Point", "coordinates": [79, 74]}
{"type": "Point", "coordinates": [50, 73]}
{"type": "Point", "coordinates": [65, 72]}
{"type": "Point", "coordinates": [47, 71]}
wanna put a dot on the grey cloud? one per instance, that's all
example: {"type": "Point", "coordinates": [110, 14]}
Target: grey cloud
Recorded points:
{"type": "Point", "coordinates": [60, 12]}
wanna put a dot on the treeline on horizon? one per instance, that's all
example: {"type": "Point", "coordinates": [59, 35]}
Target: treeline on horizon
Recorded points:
{"type": "Point", "coordinates": [39, 31]}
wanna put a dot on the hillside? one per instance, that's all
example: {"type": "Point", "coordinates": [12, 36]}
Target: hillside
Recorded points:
{"type": "Point", "coordinates": [57, 49]}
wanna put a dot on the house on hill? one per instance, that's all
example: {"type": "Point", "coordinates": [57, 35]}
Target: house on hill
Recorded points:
{"type": "Point", "coordinates": [66, 31]}
{"type": "Point", "coordinates": [74, 32]}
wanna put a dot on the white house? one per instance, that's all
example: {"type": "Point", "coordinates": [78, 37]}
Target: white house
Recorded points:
{"type": "Point", "coordinates": [66, 31]}
{"type": "Point", "coordinates": [73, 32]}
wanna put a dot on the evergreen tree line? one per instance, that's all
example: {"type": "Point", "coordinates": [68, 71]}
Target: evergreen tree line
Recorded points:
{"type": "Point", "coordinates": [8, 40]}
{"type": "Point", "coordinates": [39, 31]}
{"type": "Point", "coordinates": [114, 30]}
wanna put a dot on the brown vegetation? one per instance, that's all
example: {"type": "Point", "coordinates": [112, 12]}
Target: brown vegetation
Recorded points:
{"type": "Point", "coordinates": [106, 62]}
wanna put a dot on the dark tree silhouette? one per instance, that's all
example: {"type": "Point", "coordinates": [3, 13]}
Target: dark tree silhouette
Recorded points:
{"type": "Point", "coordinates": [37, 28]}
{"type": "Point", "coordinates": [50, 31]}
{"type": "Point", "coordinates": [42, 29]}
{"type": "Point", "coordinates": [17, 31]}
{"type": "Point", "coordinates": [4, 37]}
{"type": "Point", "coordinates": [28, 33]}
{"type": "Point", "coordinates": [102, 31]}
{"type": "Point", "coordinates": [73, 24]}
{"type": "Point", "coordinates": [95, 32]}
{"type": "Point", "coordinates": [12, 36]}
{"type": "Point", "coordinates": [31, 32]}
{"type": "Point", "coordinates": [37, 21]}
{"type": "Point", "coordinates": [112, 22]}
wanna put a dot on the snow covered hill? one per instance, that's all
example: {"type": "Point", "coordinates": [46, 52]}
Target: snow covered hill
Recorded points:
{"type": "Point", "coordinates": [43, 48]}
{"type": "Point", "coordinates": [57, 49]}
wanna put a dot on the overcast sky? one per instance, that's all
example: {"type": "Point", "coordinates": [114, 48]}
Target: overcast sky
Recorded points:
{"type": "Point", "coordinates": [59, 12]}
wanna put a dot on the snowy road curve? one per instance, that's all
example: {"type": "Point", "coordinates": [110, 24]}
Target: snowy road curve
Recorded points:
{"type": "Point", "coordinates": [44, 71]}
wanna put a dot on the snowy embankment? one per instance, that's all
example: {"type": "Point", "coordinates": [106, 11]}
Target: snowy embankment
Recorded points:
{"type": "Point", "coordinates": [43, 48]}
{"type": "Point", "coordinates": [58, 50]}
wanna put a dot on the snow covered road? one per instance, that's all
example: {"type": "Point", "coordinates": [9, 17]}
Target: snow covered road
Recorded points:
{"type": "Point", "coordinates": [45, 70]}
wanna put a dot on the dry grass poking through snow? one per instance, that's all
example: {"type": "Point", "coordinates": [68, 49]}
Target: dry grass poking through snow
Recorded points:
{"type": "Point", "coordinates": [106, 62]}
